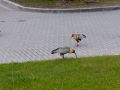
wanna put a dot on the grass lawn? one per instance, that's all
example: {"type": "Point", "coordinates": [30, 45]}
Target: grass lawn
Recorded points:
{"type": "Point", "coordinates": [72, 4]}
{"type": "Point", "coordinates": [90, 73]}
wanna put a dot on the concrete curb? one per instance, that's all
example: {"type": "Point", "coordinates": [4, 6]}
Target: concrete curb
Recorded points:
{"type": "Point", "coordinates": [48, 10]}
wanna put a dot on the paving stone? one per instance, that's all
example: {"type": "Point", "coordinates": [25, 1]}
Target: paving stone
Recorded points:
{"type": "Point", "coordinates": [29, 36]}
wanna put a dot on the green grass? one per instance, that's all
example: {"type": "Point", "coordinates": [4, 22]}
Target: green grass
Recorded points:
{"type": "Point", "coordinates": [72, 4]}
{"type": "Point", "coordinates": [90, 73]}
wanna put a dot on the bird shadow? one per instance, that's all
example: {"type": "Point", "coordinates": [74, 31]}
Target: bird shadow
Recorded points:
{"type": "Point", "coordinates": [81, 45]}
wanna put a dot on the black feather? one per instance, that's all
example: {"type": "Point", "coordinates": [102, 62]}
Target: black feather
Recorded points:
{"type": "Point", "coordinates": [54, 51]}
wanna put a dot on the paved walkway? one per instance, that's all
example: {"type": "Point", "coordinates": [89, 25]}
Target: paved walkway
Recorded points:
{"type": "Point", "coordinates": [29, 36]}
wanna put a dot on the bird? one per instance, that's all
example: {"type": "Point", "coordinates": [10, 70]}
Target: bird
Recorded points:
{"type": "Point", "coordinates": [78, 37]}
{"type": "Point", "coordinates": [63, 50]}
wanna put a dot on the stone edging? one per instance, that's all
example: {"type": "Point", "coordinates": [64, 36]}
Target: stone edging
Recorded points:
{"type": "Point", "coordinates": [47, 10]}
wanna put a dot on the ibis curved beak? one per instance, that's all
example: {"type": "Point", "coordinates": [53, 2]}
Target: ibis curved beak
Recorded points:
{"type": "Point", "coordinates": [76, 55]}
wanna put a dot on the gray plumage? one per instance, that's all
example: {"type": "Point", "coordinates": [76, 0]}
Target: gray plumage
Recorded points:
{"type": "Point", "coordinates": [81, 36]}
{"type": "Point", "coordinates": [78, 37]}
{"type": "Point", "coordinates": [63, 50]}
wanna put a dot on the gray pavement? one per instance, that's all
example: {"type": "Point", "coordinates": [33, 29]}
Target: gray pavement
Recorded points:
{"type": "Point", "coordinates": [29, 36]}
{"type": "Point", "coordinates": [7, 7]}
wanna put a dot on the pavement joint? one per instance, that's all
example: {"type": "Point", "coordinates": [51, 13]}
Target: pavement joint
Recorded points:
{"type": "Point", "coordinates": [35, 38]}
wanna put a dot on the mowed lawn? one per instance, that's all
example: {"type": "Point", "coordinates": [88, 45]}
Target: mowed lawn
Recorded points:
{"type": "Point", "coordinates": [85, 73]}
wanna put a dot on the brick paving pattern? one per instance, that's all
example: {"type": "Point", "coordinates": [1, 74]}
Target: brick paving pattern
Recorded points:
{"type": "Point", "coordinates": [28, 36]}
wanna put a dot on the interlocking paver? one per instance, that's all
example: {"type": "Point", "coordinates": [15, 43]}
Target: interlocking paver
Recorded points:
{"type": "Point", "coordinates": [29, 36]}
